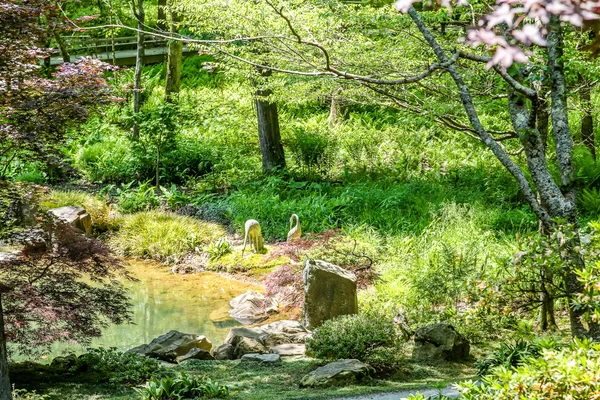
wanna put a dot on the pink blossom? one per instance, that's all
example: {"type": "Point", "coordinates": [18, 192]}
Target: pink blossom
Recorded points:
{"type": "Point", "coordinates": [529, 34]}
{"type": "Point", "coordinates": [506, 56]}
{"type": "Point", "coordinates": [404, 5]}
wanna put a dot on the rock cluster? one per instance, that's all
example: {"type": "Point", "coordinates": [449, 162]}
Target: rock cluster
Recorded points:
{"type": "Point", "coordinates": [263, 339]}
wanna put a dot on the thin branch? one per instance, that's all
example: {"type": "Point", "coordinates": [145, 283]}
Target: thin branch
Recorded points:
{"type": "Point", "coordinates": [502, 72]}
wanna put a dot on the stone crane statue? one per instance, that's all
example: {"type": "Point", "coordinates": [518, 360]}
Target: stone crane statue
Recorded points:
{"type": "Point", "coordinates": [253, 236]}
{"type": "Point", "coordinates": [294, 232]}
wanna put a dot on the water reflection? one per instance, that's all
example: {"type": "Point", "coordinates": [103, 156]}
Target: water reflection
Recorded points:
{"type": "Point", "coordinates": [163, 301]}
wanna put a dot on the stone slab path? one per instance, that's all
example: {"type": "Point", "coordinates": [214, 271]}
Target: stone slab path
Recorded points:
{"type": "Point", "coordinates": [448, 391]}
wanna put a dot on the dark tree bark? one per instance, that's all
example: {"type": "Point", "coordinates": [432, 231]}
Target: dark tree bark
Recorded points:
{"type": "Point", "coordinates": [63, 49]}
{"type": "Point", "coordinates": [139, 63]}
{"type": "Point", "coordinates": [543, 118]}
{"type": "Point", "coordinates": [162, 15]}
{"type": "Point", "coordinates": [587, 122]}
{"type": "Point", "coordinates": [269, 136]}
{"type": "Point", "coordinates": [173, 79]}
{"type": "Point", "coordinates": [5, 388]}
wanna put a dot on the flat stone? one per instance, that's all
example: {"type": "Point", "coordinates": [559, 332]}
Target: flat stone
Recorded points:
{"type": "Point", "coordinates": [195, 354]}
{"type": "Point", "coordinates": [338, 373]}
{"type": "Point", "coordinates": [262, 358]}
{"type": "Point", "coordinates": [289, 349]}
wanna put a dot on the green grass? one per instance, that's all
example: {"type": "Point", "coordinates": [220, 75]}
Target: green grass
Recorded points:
{"type": "Point", "coordinates": [260, 382]}
{"type": "Point", "coordinates": [162, 236]}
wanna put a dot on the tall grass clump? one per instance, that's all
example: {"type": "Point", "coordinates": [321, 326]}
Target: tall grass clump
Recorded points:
{"type": "Point", "coordinates": [162, 236]}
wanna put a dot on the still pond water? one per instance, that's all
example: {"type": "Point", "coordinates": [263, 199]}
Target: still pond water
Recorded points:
{"type": "Point", "coordinates": [162, 301]}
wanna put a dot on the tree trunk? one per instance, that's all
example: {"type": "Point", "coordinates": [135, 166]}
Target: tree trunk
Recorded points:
{"type": "Point", "coordinates": [546, 318]}
{"type": "Point", "coordinates": [63, 49]}
{"type": "Point", "coordinates": [542, 119]}
{"type": "Point", "coordinates": [162, 15]}
{"type": "Point", "coordinates": [5, 388]}
{"type": "Point", "coordinates": [139, 63]}
{"type": "Point", "coordinates": [570, 243]}
{"type": "Point", "coordinates": [269, 136]}
{"type": "Point", "coordinates": [157, 166]}
{"type": "Point", "coordinates": [173, 79]}
{"type": "Point", "coordinates": [587, 122]}
{"type": "Point", "coordinates": [338, 111]}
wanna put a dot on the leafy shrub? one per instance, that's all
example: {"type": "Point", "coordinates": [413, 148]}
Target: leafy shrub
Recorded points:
{"type": "Point", "coordinates": [162, 236]}
{"type": "Point", "coordinates": [589, 200]}
{"type": "Point", "coordinates": [184, 386]}
{"type": "Point", "coordinates": [312, 150]}
{"type": "Point", "coordinates": [420, 396]}
{"type": "Point", "coordinates": [219, 248]}
{"type": "Point", "coordinates": [117, 367]}
{"type": "Point", "coordinates": [508, 355]}
{"type": "Point", "coordinates": [571, 373]}
{"type": "Point", "coordinates": [371, 338]}
{"type": "Point", "coordinates": [32, 176]}
{"type": "Point", "coordinates": [23, 394]}
{"type": "Point", "coordinates": [142, 198]}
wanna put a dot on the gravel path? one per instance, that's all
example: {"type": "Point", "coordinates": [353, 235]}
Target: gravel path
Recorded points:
{"type": "Point", "coordinates": [447, 391]}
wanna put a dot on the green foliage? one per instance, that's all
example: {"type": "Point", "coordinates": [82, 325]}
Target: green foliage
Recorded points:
{"type": "Point", "coordinates": [312, 150]}
{"type": "Point", "coordinates": [183, 386]}
{"type": "Point", "coordinates": [157, 125]}
{"type": "Point", "coordinates": [104, 155]}
{"type": "Point", "coordinates": [162, 236]}
{"type": "Point", "coordinates": [508, 355]}
{"type": "Point", "coordinates": [141, 198]}
{"type": "Point", "coordinates": [174, 197]}
{"type": "Point", "coordinates": [371, 338]}
{"type": "Point", "coordinates": [219, 248]}
{"type": "Point", "coordinates": [23, 394]}
{"type": "Point", "coordinates": [571, 373]}
{"type": "Point", "coordinates": [117, 367]}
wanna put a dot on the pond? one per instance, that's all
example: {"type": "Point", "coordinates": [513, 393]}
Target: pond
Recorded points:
{"type": "Point", "coordinates": [162, 301]}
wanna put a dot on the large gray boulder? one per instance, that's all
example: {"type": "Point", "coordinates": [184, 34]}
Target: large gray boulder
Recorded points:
{"type": "Point", "coordinates": [172, 345]}
{"type": "Point", "coordinates": [329, 291]}
{"type": "Point", "coordinates": [224, 352]}
{"type": "Point", "coordinates": [77, 217]}
{"type": "Point", "coordinates": [440, 342]}
{"type": "Point", "coordinates": [252, 307]}
{"type": "Point", "coordinates": [338, 373]}
{"type": "Point", "coordinates": [262, 338]}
